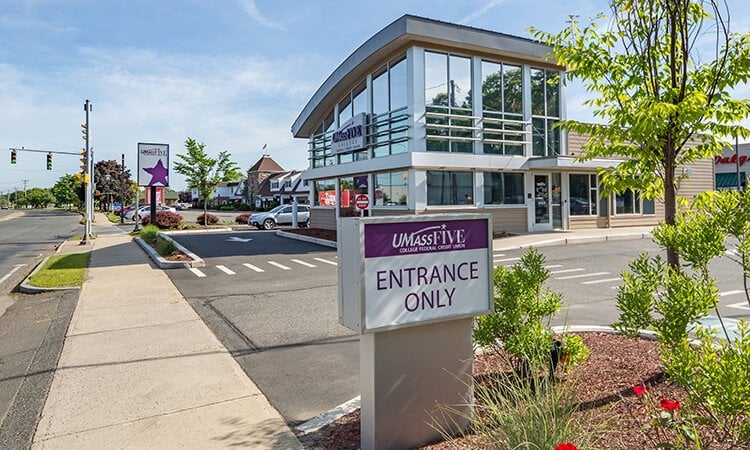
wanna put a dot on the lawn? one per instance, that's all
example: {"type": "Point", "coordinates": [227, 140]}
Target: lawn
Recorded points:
{"type": "Point", "coordinates": [62, 271]}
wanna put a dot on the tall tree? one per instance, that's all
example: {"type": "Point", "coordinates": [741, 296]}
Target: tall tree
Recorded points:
{"type": "Point", "coordinates": [39, 197]}
{"type": "Point", "coordinates": [666, 101]}
{"type": "Point", "coordinates": [203, 172]}
{"type": "Point", "coordinates": [111, 182]}
{"type": "Point", "coordinates": [64, 191]}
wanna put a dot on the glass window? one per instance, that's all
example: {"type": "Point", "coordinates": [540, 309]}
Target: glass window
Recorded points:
{"type": "Point", "coordinates": [537, 137]}
{"type": "Point", "coordinates": [503, 188]}
{"type": "Point", "coordinates": [359, 94]}
{"type": "Point", "coordinates": [625, 202]}
{"type": "Point", "coordinates": [349, 187]}
{"type": "Point", "coordinates": [391, 188]}
{"type": "Point", "coordinates": [380, 91]}
{"type": "Point", "coordinates": [436, 81]}
{"type": "Point", "coordinates": [492, 86]}
{"type": "Point", "coordinates": [580, 190]}
{"type": "Point", "coordinates": [537, 92]}
{"type": "Point", "coordinates": [398, 84]}
{"type": "Point", "coordinates": [512, 89]}
{"type": "Point", "coordinates": [345, 109]}
{"type": "Point", "coordinates": [450, 188]}
{"type": "Point", "coordinates": [324, 192]}
{"type": "Point", "coordinates": [552, 88]}
{"type": "Point", "coordinates": [648, 206]}
{"type": "Point", "coordinates": [545, 110]}
{"type": "Point", "coordinates": [459, 84]}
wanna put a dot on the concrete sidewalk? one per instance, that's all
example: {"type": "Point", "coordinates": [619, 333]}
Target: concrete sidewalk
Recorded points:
{"type": "Point", "coordinates": [571, 237]}
{"type": "Point", "coordinates": [140, 369]}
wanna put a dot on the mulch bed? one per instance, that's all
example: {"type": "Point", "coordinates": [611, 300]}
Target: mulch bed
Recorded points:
{"type": "Point", "coordinates": [603, 386]}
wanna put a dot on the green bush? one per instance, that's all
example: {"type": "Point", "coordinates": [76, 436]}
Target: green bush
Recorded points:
{"type": "Point", "coordinates": [149, 233]}
{"type": "Point", "coordinates": [112, 217]}
{"type": "Point", "coordinates": [227, 208]}
{"type": "Point", "coordinates": [520, 322]}
{"type": "Point", "coordinates": [166, 247]}
{"type": "Point", "coordinates": [207, 219]}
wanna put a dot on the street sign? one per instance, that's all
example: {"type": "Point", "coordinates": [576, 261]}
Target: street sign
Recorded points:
{"type": "Point", "coordinates": [362, 201]}
{"type": "Point", "coordinates": [153, 165]}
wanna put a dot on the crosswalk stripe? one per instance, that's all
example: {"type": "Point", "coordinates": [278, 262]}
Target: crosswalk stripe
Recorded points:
{"type": "Point", "coordinates": [555, 272]}
{"type": "Point", "coordinates": [606, 280]}
{"type": "Point", "coordinates": [506, 259]}
{"type": "Point", "coordinates": [326, 261]}
{"type": "Point", "coordinates": [225, 270]}
{"type": "Point", "coordinates": [280, 266]}
{"type": "Point", "coordinates": [306, 264]}
{"type": "Point", "coordinates": [724, 294]}
{"type": "Point", "coordinates": [252, 267]}
{"type": "Point", "coordinates": [583, 275]}
{"type": "Point", "coordinates": [197, 272]}
{"type": "Point", "coordinates": [553, 266]}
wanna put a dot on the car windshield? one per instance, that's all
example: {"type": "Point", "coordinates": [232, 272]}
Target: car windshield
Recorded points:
{"type": "Point", "coordinates": [277, 209]}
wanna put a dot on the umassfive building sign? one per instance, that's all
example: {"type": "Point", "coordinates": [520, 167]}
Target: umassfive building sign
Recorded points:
{"type": "Point", "coordinates": [350, 136]}
{"type": "Point", "coordinates": [417, 271]}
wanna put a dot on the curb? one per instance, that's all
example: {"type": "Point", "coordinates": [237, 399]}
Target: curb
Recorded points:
{"type": "Point", "coordinates": [197, 231]}
{"type": "Point", "coordinates": [577, 240]}
{"type": "Point", "coordinates": [163, 263]}
{"type": "Point", "coordinates": [29, 289]}
{"type": "Point", "coordinates": [300, 237]}
{"type": "Point", "coordinates": [13, 215]}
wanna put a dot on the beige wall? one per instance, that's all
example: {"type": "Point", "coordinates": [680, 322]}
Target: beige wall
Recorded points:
{"type": "Point", "coordinates": [324, 218]}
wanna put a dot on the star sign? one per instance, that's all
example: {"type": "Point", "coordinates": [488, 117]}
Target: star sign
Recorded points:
{"type": "Point", "coordinates": [158, 173]}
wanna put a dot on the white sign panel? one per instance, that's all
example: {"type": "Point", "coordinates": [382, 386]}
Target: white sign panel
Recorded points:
{"type": "Point", "coordinates": [417, 270]}
{"type": "Point", "coordinates": [350, 136]}
{"type": "Point", "coordinates": [153, 164]}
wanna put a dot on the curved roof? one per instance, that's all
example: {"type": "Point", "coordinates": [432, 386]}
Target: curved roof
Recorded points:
{"type": "Point", "coordinates": [406, 29]}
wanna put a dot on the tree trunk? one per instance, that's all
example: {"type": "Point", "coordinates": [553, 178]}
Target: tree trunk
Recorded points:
{"type": "Point", "coordinates": [205, 214]}
{"type": "Point", "coordinates": [670, 207]}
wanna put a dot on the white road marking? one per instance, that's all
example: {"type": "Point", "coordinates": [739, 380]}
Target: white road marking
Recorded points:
{"type": "Point", "coordinates": [506, 259]}
{"type": "Point", "coordinates": [553, 266]}
{"type": "Point", "coordinates": [252, 267]}
{"type": "Point", "coordinates": [226, 271]}
{"type": "Point", "coordinates": [740, 305]}
{"type": "Point", "coordinates": [326, 261]}
{"type": "Point", "coordinates": [280, 266]}
{"type": "Point", "coordinates": [606, 280]}
{"type": "Point", "coordinates": [306, 264]}
{"type": "Point", "coordinates": [555, 272]}
{"type": "Point", "coordinates": [583, 275]}
{"type": "Point", "coordinates": [197, 272]}
{"type": "Point", "coordinates": [724, 294]}
{"type": "Point", "coordinates": [12, 271]}
{"type": "Point", "coordinates": [499, 254]}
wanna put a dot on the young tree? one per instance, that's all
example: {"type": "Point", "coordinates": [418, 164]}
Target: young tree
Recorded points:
{"type": "Point", "coordinates": [64, 191]}
{"type": "Point", "coordinates": [203, 172]}
{"type": "Point", "coordinates": [665, 101]}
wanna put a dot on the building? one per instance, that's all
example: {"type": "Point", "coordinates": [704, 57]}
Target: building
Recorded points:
{"type": "Point", "coordinates": [257, 175]}
{"type": "Point", "coordinates": [731, 168]}
{"type": "Point", "coordinates": [428, 117]}
{"type": "Point", "coordinates": [282, 188]}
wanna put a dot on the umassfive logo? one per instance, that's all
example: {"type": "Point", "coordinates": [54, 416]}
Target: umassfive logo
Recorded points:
{"type": "Point", "coordinates": [436, 237]}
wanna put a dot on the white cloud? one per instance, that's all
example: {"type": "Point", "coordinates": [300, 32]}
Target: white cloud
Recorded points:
{"type": "Point", "coordinates": [251, 9]}
{"type": "Point", "coordinates": [481, 11]}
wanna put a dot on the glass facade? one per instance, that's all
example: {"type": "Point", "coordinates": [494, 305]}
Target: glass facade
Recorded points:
{"type": "Point", "coordinates": [450, 188]}
{"type": "Point", "coordinates": [583, 194]}
{"type": "Point", "coordinates": [545, 112]}
{"type": "Point", "coordinates": [391, 188]}
{"type": "Point", "coordinates": [502, 109]}
{"type": "Point", "coordinates": [324, 192]}
{"type": "Point", "coordinates": [449, 122]}
{"type": "Point", "coordinates": [503, 188]}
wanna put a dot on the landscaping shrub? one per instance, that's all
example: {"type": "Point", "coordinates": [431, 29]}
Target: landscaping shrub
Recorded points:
{"type": "Point", "coordinates": [242, 218]}
{"type": "Point", "coordinates": [207, 219]}
{"type": "Point", "coordinates": [166, 247]}
{"type": "Point", "coordinates": [226, 208]}
{"type": "Point", "coordinates": [166, 220]}
{"type": "Point", "coordinates": [244, 207]}
{"type": "Point", "coordinates": [149, 232]}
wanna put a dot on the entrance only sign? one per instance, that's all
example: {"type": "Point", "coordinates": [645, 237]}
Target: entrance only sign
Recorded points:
{"type": "Point", "coordinates": [411, 270]}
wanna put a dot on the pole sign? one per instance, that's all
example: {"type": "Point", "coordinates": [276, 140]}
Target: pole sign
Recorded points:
{"type": "Point", "coordinates": [153, 164]}
{"type": "Point", "coordinates": [403, 271]}
{"type": "Point", "coordinates": [362, 201]}
{"type": "Point", "coordinates": [350, 135]}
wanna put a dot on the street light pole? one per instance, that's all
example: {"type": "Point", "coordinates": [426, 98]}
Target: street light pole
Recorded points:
{"type": "Point", "coordinates": [87, 236]}
{"type": "Point", "coordinates": [122, 190]}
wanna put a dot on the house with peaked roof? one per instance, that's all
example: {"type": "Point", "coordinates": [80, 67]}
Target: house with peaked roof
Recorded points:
{"type": "Point", "coordinates": [257, 175]}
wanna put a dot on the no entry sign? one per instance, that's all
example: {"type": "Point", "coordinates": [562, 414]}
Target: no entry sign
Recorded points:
{"type": "Point", "coordinates": [362, 201]}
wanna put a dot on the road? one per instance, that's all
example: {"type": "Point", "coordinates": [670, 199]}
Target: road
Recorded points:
{"type": "Point", "coordinates": [273, 303]}
{"type": "Point", "coordinates": [25, 239]}
{"type": "Point", "coordinates": [278, 314]}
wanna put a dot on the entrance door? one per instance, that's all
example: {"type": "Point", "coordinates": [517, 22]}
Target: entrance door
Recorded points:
{"type": "Point", "coordinates": [542, 206]}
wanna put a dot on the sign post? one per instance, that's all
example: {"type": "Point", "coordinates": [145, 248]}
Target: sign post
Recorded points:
{"type": "Point", "coordinates": [153, 170]}
{"type": "Point", "coordinates": [411, 285]}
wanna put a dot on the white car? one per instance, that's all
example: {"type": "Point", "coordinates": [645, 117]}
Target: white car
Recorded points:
{"type": "Point", "coordinates": [144, 211]}
{"type": "Point", "coordinates": [281, 214]}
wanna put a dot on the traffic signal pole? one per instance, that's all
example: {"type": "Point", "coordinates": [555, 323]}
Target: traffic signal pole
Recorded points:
{"type": "Point", "coordinates": [88, 187]}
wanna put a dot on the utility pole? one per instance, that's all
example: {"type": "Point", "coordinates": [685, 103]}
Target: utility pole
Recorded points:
{"type": "Point", "coordinates": [25, 183]}
{"type": "Point", "coordinates": [88, 187]}
{"type": "Point", "coordinates": [122, 190]}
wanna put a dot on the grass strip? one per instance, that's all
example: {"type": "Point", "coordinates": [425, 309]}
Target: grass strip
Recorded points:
{"type": "Point", "coordinates": [62, 271]}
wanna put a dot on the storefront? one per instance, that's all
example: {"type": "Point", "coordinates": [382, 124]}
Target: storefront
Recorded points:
{"type": "Point", "coordinates": [731, 168]}
{"type": "Point", "coordinates": [428, 116]}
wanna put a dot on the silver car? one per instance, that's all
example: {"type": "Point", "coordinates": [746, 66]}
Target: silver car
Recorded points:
{"type": "Point", "coordinates": [281, 214]}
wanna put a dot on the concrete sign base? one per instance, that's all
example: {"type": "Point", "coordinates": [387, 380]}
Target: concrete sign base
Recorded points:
{"type": "Point", "coordinates": [406, 375]}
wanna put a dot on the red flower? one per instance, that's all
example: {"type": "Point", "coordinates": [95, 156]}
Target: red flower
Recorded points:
{"type": "Point", "coordinates": [566, 446]}
{"type": "Point", "coordinates": [670, 405]}
{"type": "Point", "coordinates": [640, 390]}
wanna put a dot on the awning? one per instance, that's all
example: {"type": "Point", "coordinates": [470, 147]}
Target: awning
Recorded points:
{"type": "Point", "coordinates": [728, 180]}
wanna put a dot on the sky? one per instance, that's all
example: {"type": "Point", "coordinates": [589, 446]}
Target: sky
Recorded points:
{"type": "Point", "coordinates": [233, 74]}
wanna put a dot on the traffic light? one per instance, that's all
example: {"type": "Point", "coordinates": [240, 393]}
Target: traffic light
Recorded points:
{"type": "Point", "coordinates": [79, 177]}
{"type": "Point", "coordinates": [12, 156]}
{"type": "Point", "coordinates": [84, 166]}
{"type": "Point", "coordinates": [84, 131]}
{"type": "Point", "coordinates": [49, 161]}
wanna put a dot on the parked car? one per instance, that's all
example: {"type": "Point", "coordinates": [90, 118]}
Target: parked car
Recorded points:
{"type": "Point", "coordinates": [145, 210]}
{"type": "Point", "coordinates": [182, 206]}
{"type": "Point", "coordinates": [281, 214]}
